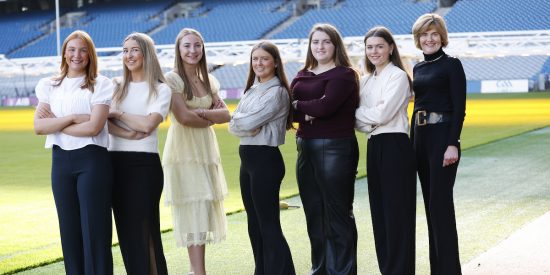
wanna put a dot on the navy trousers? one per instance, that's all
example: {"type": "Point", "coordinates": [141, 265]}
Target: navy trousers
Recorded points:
{"type": "Point", "coordinates": [82, 184]}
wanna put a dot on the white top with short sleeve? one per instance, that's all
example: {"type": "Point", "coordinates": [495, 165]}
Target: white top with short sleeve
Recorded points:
{"type": "Point", "coordinates": [68, 99]}
{"type": "Point", "coordinates": [137, 102]}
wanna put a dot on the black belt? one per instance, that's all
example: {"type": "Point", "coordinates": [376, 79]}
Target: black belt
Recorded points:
{"type": "Point", "coordinates": [424, 117]}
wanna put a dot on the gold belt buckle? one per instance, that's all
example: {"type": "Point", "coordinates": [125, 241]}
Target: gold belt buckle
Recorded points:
{"type": "Point", "coordinates": [421, 118]}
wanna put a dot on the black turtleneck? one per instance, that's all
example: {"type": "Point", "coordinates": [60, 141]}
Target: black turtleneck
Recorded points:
{"type": "Point", "coordinates": [439, 85]}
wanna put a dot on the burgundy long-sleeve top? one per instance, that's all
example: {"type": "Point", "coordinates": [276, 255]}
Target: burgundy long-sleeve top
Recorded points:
{"type": "Point", "coordinates": [331, 98]}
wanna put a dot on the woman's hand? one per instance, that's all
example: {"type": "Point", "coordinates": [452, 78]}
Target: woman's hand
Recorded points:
{"type": "Point", "coordinates": [309, 118]}
{"type": "Point", "coordinates": [80, 118]}
{"type": "Point", "coordinates": [139, 135]}
{"type": "Point", "coordinates": [451, 156]}
{"type": "Point", "coordinates": [114, 113]}
{"type": "Point", "coordinates": [256, 131]}
{"type": "Point", "coordinates": [43, 111]}
{"type": "Point", "coordinates": [218, 104]}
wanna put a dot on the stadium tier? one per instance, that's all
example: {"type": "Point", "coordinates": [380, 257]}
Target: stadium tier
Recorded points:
{"type": "Point", "coordinates": [239, 20]}
{"type": "Point", "coordinates": [20, 29]}
{"type": "Point", "coordinates": [355, 19]}
{"type": "Point", "coordinates": [228, 21]}
{"type": "Point", "coordinates": [498, 15]}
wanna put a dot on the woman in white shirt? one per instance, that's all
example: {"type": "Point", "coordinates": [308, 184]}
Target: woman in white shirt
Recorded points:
{"type": "Point", "coordinates": [391, 174]}
{"type": "Point", "coordinates": [72, 111]}
{"type": "Point", "coordinates": [140, 103]}
{"type": "Point", "coordinates": [260, 121]}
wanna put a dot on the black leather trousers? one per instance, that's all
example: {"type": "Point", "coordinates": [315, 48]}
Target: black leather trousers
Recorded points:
{"type": "Point", "coordinates": [326, 170]}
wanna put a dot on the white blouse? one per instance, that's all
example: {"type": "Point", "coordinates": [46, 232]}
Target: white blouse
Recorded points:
{"type": "Point", "coordinates": [67, 99]}
{"type": "Point", "coordinates": [137, 102]}
{"type": "Point", "coordinates": [383, 102]}
{"type": "Point", "coordinates": [264, 106]}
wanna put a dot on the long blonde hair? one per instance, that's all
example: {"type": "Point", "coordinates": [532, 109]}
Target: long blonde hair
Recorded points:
{"type": "Point", "coordinates": [151, 68]}
{"type": "Point", "coordinates": [202, 68]}
{"type": "Point", "coordinates": [91, 68]}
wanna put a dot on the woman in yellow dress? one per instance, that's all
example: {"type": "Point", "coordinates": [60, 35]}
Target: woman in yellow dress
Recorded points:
{"type": "Point", "coordinates": [193, 172]}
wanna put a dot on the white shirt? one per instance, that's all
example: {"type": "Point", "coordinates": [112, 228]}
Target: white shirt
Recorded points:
{"type": "Point", "coordinates": [67, 99]}
{"type": "Point", "coordinates": [383, 102]}
{"type": "Point", "coordinates": [137, 102]}
{"type": "Point", "coordinates": [264, 106]}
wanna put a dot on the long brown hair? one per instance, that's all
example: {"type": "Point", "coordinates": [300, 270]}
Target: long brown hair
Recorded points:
{"type": "Point", "coordinates": [91, 68]}
{"type": "Point", "coordinates": [202, 68]}
{"type": "Point", "coordinates": [340, 55]}
{"type": "Point", "coordinates": [395, 58]}
{"type": "Point", "coordinates": [279, 72]}
{"type": "Point", "coordinates": [151, 68]}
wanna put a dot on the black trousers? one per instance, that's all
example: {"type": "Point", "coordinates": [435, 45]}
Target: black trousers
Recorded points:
{"type": "Point", "coordinates": [325, 171]}
{"type": "Point", "coordinates": [437, 182]}
{"type": "Point", "coordinates": [81, 185]}
{"type": "Point", "coordinates": [391, 175]}
{"type": "Point", "coordinates": [137, 187]}
{"type": "Point", "coordinates": [262, 170]}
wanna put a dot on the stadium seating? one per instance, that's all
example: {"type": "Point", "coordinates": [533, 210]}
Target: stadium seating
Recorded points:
{"type": "Point", "coordinates": [357, 17]}
{"type": "Point", "coordinates": [498, 68]}
{"type": "Point", "coordinates": [22, 28]}
{"type": "Point", "coordinates": [107, 24]}
{"type": "Point", "coordinates": [498, 15]}
{"type": "Point", "coordinates": [228, 21]}
{"type": "Point", "coordinates": [237, 20]}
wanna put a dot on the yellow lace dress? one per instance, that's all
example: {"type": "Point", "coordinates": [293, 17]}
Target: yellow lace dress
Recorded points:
{"type": "Point", "coordinates": [194, 181]}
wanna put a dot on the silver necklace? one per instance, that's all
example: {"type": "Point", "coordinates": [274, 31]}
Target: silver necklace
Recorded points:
{"type": "Point", "coordinates": [430, 61]}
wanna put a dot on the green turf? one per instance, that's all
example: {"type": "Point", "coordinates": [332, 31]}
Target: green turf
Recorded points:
{"type": "Point", "coordinates": [540, 94]}
{"type": "Point", "coordinates": [29, 234]}
{"type": "Point", "coordinates": [500, 187]}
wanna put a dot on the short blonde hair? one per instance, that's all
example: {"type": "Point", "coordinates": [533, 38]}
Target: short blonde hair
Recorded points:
{"type": "Point", "coordinates": [427, 21]}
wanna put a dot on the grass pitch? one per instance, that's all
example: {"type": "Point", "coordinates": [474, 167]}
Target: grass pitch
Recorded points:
{"type": "Point", "coordinates": [29, 233]}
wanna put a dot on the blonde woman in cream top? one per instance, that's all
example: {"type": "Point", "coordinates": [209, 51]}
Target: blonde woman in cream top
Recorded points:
{"type": "Point", "coordinates": [193, 172]}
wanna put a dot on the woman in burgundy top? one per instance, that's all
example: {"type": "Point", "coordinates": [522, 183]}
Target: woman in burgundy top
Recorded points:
{"type": "Point", "coordinates": [326, 95]}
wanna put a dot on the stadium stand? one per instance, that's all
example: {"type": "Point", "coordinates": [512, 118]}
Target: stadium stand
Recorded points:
{"type": "Point", "coordinates": [498, 15]}
{"type": "Point", "coordinates": [497, 68]}
{"type": "Point", "coordinates": [354, 18]}
{"type": "Point", "coordinates": [107, 24]}
{"type": "Point", "coordinates": [22, 28]}
{"type": "Point", "coordinates": [228, 21]}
